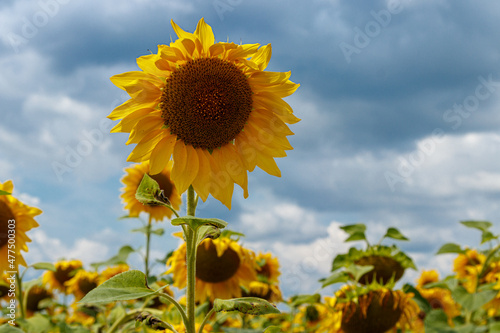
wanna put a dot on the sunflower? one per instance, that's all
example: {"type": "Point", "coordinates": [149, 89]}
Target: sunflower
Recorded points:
{"type": "Point", "coordinates": [267, 284]}
{"type": "Point", "coordinates": [210, 107]}
{"type": "Point", "coordinates": [312, 317]}
{"type": "Point", "coordinates": [83, 282]}
{"type": "Point", "coordinates": [18, 217]}
{"type": "Point", "coordinates": [36, 294]}
{"type": "Point", "coordinates": [222, 266]}
{"type": "Point", "coordinates": [375, 310]}
{"type": "Point", "coordinates": [468, 266]}
{"type": "Point", "coordinates": [64, 272]}
{"type": "Point", "coordinates": [109, 272]}
{"type": "Point", "coordinates": [427, 277]}
{"type": "Point", "coordinates": [133, 178]}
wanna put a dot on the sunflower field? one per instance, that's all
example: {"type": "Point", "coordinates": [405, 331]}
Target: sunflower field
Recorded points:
{"type": "Point", "coordinates": [202, 115]}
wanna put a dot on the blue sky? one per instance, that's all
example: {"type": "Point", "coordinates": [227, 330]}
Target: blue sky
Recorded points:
{"type": "Point", "coordinates": [400, 110]}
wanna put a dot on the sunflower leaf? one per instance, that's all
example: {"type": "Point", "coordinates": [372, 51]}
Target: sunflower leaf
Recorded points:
{"type": "Point", "coordinates": [7, 328]}
{"type": "Point", "coordinates": [2, 192]}
{"type": "Point", "coordinates": [121, 287]}
{"type": "Point", "coordinates": [487, 236]}
{"type": "Point", "coordinates": [247, 305]}
{"type": "Point", "coordinates": [480, 225]}
{"type": "Point", "coordinates": [357, 271]}
{"type": "Point", "coordinates": [304, 299]}
{"type": "Point", "coordinates": [395, 234]}
{"type": "Point", "coordinates": [207, 231]}
{"type": "Point", "coordinates": [450, 248]}
{"type": "Point", "coordinates": [474, 301]}
{"type": "Point", "coordinates": [149, 193]}
{"type": "Point", "coordinates": [337, 277]}
{"type": "Point", "coordinates": [196, 222]}
{"type": "Point", "coordinates": [354, 228]}
{"type": "Point", "coordinates": [45, 266]}
{"type": "Point", "coordinates": [356, 236]}
{"type": "Point", "coordinates": [272, 329]}
{"type": "Point", "coordinates": [120, 258]}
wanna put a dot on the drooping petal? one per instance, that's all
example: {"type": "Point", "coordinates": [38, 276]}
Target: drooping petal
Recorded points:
{"type": "Point", "coordinates": [161, 154]}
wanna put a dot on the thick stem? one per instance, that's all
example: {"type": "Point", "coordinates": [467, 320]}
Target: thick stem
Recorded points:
{"type": "Point", "coordinates": [148, 242]}
{"type": "Point", "coordinates": [191, 263]}
{"type": "Point", "coordinates": [20, 296]}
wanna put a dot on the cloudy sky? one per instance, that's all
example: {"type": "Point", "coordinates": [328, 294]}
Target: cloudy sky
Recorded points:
{"type": "Point", "coordinates": [400, 109]}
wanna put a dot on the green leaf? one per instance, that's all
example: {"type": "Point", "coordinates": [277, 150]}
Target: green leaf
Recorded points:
{"type": "Point", "coordinates": [196, 222]}
{"type": "Point", "coordinates": [6, 328]}
{"type": "Point", "coordinates": [207, 231]}
{"type": "Point", "coordinates": [450, 248]}
{"type": "Point", "coordinates": [436, 321]}
{"type": "Point", "coordinates": [2, 192]}
{"type": "Point", "coordinates": [395, 234]}
{"type": "Point", "coordinates": [149, 193]}
{"type": "Point", "coordinates": [337, 277]}
{"type": "Point", "coordinates": [422, 303]}
{"type": "Point", "coordinates": [247, 305]}
{"type": "Point", "coordinates": [144, 230]}
{"type": "Point", "coordinates": [474, 301]}
{"type": "Point", "coordinates": [356, 236]}
{"type": "Point", "coordinates": [354, 228]}
{"type": "Point", "coordinates": [480, 225]}
{"type": "Point", "coordinates": [341, 260]}
{"type": "Point", "coordinates": [298, 300]}
{"type": "Point", "coordinates": [357, 271]}
{"type": "Point", "coordinates": [272, 329]}
{"type": "Point", "coordinates": [121, 287]}
{"type": "Point", "coordinates": [38, 323]}
{"type": "Point", "coordinates": [120, 258]}
{"type": "Point", "coordinates": [45, 266]}
{"type": "Point", "coordinates": [494, 327]}
{"type": "Point", "coordinates": [487, 236]}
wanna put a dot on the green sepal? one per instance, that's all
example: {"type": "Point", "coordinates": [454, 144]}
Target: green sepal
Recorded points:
{"type": "Point", "coordinates": [487, 236]}
{"type": "Point", "coordinates": [2, 192]}
{"type": "Point", "coordinates": [152, 322]}
{"type": "Point", "coordinates": [395, 234]}
{"type": "Point", "coordinates": [246, 305]}
{"type": "Point", "coordinates": [196, 222]}
{"type": "Point", "coordinates": [298, 300]}
{"type": "Point", "coordinates": [120, 258]}
{"type": "Point", "coordinates": [207, 231]}
{"type": "Point", "coordinates": [45, 266]}
{"type": "Point", "coordinates": [337, 277]}
{"type": "Point", "coordinates": [357, 271]}
{"type": "Point", "coordinates": [149, 193]}
{"type": "Point", "coordinates": [144, 230]}
{"type": "Point", "coordinates": [450, 248]}
{"type": "Point", "coordinates": [121, 287]}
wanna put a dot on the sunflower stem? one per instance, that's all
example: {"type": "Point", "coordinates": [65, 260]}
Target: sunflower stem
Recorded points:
{"type": "Point", "coordinates": [148, 242]}
{"type": "Point", "coordinates": [20, 297]}
{"type": "Point", "coordinates": [207, 317]}
{"type": "Point", "coordinates": [191, 263]}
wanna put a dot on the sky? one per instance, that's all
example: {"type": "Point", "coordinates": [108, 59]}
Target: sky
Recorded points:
{"type": "Point", "coordinates": [400, 109]}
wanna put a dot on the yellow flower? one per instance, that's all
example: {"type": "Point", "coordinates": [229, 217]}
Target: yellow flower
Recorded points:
{"type": "Point", "coordinates": [81, 314]}
{"type": "Point", "coordinates": [267, 284]}
{"type": "Point", "coordinates": [439, 298]}
{"type": "Point", "coordinates": [222, 266]}
{"type": "Point", "coordinates": [16, 219]}
{"type": "Point", "coordinates": [36, 294]}
{"type": "Point", "coordinates": [427, 277]}
{"type": "Point", "coordinates": [109, 272]}
{"type": "Point", "coordinates": [64, 272]}
{"type": "Point", "coordinates": [376, 311]}
{"type": "Point", "coordinates": [268, 267]}
{"type": "Point", "coordinates": [211, 108]}
{"type": "Point", "coordinates": [83, 282]}
{"type": "Point", "coordinates": [133, 178]}
{"type": "Point", "coordinates": [470, 263]}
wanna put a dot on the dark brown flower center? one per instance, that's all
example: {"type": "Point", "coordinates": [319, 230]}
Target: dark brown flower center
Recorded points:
{"type": "Point", "coordinates": [5, 215]}
{"type": "Point", "coordinates": [213, 269]}
{"type": "Point", "coordinates": [206, 102]}
{"type": "Point", "coordinates": [384, 268]}
{"type": "Point", "coordinates": [35, 296]}
{"type": "Point", "coordinates": [63, 274]}
{"type": "Point", "coordinates": [85, 285]}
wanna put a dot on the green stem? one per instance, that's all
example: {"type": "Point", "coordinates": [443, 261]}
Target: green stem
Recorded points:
{"type": "Point", "coordinates": [123, 319]}
{"type": "Point", "coordinates": [19, 295]}
{"type": "Point", "coordinates": [191, 263]}
{"type": "Point", "coordinates": [148, 242]}
{"type": "Point", "coordinates": [200, 330]}
{"type": "Point", "coordinates": [177, 305]}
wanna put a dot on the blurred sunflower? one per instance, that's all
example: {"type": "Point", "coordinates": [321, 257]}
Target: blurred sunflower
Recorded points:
{"type": "Point", "coordinates": [210, 107]}
{"type": "Point", "coordinates": [36, 294]}
{"type": "Point", "coordinates": [374, 310]}
{"type": "Point", "coordinates": [427, 277]}
{"type": "Point", "coordinates": [82, 314]}
{"type": "Point", "coordinates": [109, 272]}
{"type": "Point", "coordinates": [132, 179]}
{"type": "Point", "coordinates": [12, 210]}
{"type": "Point", "coordinates": [65, 270]}
{"type": "Point", "coordinates": [468, 266]}
{"type": "Point", "coordinates": [83, 282]}
{"type": "Point", "coordinates": [267, 284]}
{"type": "Point", "coordinates": [312, 318]}
{"type": "Point", "coordinates": [222, 266]}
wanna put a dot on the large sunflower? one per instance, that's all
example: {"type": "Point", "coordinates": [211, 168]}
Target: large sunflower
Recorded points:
{"type": "Point", "coordinates": [211, 108]}
{"type": "Point", "coordinates": [222, 266]}
{"type": "Point", "coordinates": [18, 217]}
{"type": "Point", "coordinates": [132, 179]}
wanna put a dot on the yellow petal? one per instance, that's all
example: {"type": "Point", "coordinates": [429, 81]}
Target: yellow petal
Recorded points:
{"type": "Point", "coordinates": [262, 56]}
{"type": "Point", "coordinates": [191, 169]}
{"type": "Point", "coordinates": [128, 122]}
{"type": "Point", "coordinates": [243, 51]}
{"type": "Point", "coordinates": [143, 149]}
{"type": "Point", "coordinates": [281, 108]}
{"type": "Point", "coordinates": [128, 79]}
{"type": "Point", "coordinates": [230, 162]}
{"type": "Point", "coordinates": [178, 170]}
{"type": "Point", "coordinates": [268, 164]}
{"type": "Point", "coordinates": [143, 127]}
{"type": "Point", "coordinates": [205, 34]}
{"type": "Point", "coordinates": [148, 64]}
{"type": "Point", "coordinates": [200, 183]}
{"type": "Point", "coordinates": [130, 106]}
{"type": "Point", "coordinates": [161, 154]}
{"type": "Point", "coordinates": [181, 33]}
{"type": "Point", "coordinates": [269, 78]}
